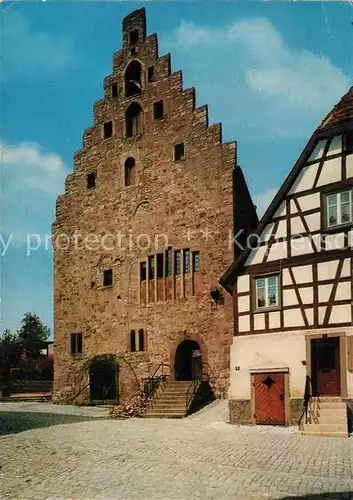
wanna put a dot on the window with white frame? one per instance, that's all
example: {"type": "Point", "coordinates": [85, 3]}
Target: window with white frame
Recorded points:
{"type": "Point", "coordinates": [339, 208]}
{"type": "Point", "coordinates": [266, 292]}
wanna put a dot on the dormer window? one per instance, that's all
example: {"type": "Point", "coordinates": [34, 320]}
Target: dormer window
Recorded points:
{"type": "Point", "coordinates": [133, 79]}
{"type": "Point", "coordinates": [133, 37]}
{"type": "Point", "coordinates": [339, 209]}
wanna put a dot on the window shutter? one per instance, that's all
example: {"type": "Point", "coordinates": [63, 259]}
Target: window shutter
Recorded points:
{"type": "Point", "coordinates": [350, 352]}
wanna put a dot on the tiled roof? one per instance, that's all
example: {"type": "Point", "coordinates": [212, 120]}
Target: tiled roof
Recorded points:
{"type": "Point", "coordinates": [342, 112]}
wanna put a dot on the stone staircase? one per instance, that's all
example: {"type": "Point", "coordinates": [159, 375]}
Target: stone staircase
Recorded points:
{"type": "Point", "coordinates": [170, 400]}
{"type": "Point", "coordinates": [327, 416]}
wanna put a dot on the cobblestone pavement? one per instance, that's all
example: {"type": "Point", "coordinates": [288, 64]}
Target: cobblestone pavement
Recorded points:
{"type": "Point", "coordinates": [201, 457]}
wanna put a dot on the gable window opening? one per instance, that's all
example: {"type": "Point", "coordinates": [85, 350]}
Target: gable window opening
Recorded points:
{"type": "Point", "coordinates": [133, 120]}
{"type": "Point", "coordinates": [196, 262]}
{"type": "Point", "coordinates": [168, 262]}
{"type": "Point", "coordinates": [133, 341]}
{"type": "Point", "coordinates": [108, 130]}
{"type": "Point", "coordinates": [115, 90]}
{"type": "Point", "coordinates": [76, 343]}
{"type": "Point", "coordinates": [177, 262]}
{"type": "Point", "coordinates": [91, 180]}
{"type": "Point", "coordinates": [133, 79]}
{"type": "Point", "coordinates": [339, 208]}
{"type": "Point", "coordinates": [108, 277]}
{"type": "Point", "coordinates": [160, 265]}
{"type": "Point", "coordinates": [266, 290]}
{"type": "Point", "coordinates": [158, 110]}
{"type": "Point", "coordinates": [150, 73]}
{"type": "Point", "coordinates": [143, 271]}
{"type": "Point", "coordinates": [141, 340]}
{"type": "Point", "coordinates": [130, 171]}
{"type": "Point", "coordinates": [179, 151]}
{"type": "Point", "coordinates": [151, 267]}
{"type": "Point", "coordinates": [134, 37]}
{"type": "Point", "coordinates": [186, 261]}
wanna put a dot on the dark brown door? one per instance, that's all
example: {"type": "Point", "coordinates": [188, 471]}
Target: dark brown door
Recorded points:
{"type": "Point", "coordinates": [325, 366]}
{"type": "Point", "coordinates": [269, 398]}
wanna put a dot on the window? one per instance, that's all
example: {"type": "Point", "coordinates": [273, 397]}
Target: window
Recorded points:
{"type": "Point", "coordinates": [143, 271]}
{"type": "Point", "coordinates": [108, 277]}
{"type": "Point", "coordinates": [133, 341]}
{"type": "Point", "coordinates": [338, 208]}
{"type": "Point", "coordinates": [179, 152]}
{"type": "Point", "coordinates": [133, 79]}
{"type": "Point", "coordinates": [150, 74]}
{"type": "Point", "coordinates": [177, 262]}
{"type": "Point", "coordinates": [266, 291]}
{"type": "Point", "coordinates": [196, 262]}
{"type": "Point", "coordinates": [186, 261]}
{"type": "Point", "coordinates": [133, 120]}
{"type": "Point", "coordinates": [134, 37]}
{"type": "Point", "coordinates": [76, 343]}
{"type": "Point", "coordinates": [133, 51]}
{"type": "Point", "coordinates": [91, 180]}
{"type": "Point", "coordinates": [141, 340]}
{"type": "Point", "coordinates": [158, 110]}
{"type": "Point", "coordinates": [108, 130]}
{"type": "Point", "coordinates": [130, 172]}
{"type": "Point", "coordinates": [114, 90]}
{"type": "Point", "coordinates": [151, 267]}
{"type": "Point", "coordinates": [168, 262]}
{"type": "Point", "coordinates": [159, 265]}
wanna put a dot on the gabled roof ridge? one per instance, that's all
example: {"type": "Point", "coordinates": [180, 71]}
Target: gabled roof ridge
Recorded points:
{"type": "Point", "coordinates": [341, 112]}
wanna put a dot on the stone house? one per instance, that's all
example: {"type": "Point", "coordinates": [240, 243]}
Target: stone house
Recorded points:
{"type": "Point", "coordinates": [143, 233]}
{"type": "Point", "coordinates": [292, 353]}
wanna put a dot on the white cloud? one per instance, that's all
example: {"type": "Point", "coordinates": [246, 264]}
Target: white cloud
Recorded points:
{"type": "Point", "coordinates": [269, 87]}
{"type": "Point", "coordinates": [29, 52]}
{"type": "Point", "coordinates": [31, 181]}
{"type": "Point", "coordinates": [263, 200]}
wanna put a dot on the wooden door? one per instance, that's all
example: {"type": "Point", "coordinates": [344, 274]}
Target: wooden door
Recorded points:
{"type": "Point", "coordinates": [325, 367]}
{"type": "Point", "coordinates": [269, 398]}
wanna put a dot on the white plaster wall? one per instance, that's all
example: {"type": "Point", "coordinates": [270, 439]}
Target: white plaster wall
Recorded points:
{"type": "Point", "coordinates": [349, 165]}
{"type": "Point", "coordinates": [281, 210]}
{"type": "Point", "coordinates": [270, 350]}
{"type": "Point", "coordinates": [309, 201]}
{"type": "Point", "coordinates": [275, 350]}
{"type": "Point", "coordinates": [335, 146]}
{"type": "Point", "coordinates": [243, 283]}
{"type": "Point", "coordinates": [318, 151]}
{"type": "Point", "coordinates": [305, 179]}
{"type": "Point", "coordinates": [331, 172]}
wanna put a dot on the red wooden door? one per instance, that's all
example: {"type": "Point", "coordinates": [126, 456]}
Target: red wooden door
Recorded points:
{"type": "Point", "coordinates": [325, 363]}
{"type": "Point", "coordinates": [269, 398]}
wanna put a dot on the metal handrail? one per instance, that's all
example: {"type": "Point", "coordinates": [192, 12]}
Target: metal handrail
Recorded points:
{"type": "Point", "coordinates": [154, 381]}
{"type": "Point", "coordinates": [308, 393]}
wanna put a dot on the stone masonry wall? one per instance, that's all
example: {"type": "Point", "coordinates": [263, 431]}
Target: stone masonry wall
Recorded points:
{"type": "Point", "coordinates": [190, 202]}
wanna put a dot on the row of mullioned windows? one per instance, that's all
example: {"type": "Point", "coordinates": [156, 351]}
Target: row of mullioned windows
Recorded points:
{"type": "Point", "coordinates": [169, 264]}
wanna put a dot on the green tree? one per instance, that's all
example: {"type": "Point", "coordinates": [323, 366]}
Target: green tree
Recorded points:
{"type": "Point", "coordinates": [10, 353]}
{"type": "Point", "coordinates": [32, 335]}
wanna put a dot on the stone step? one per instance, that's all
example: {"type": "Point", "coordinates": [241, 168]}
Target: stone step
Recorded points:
{"type": "Point", "coordinates": [327, 405]}
{"type": "Point", "coordinates": [328, 412]}
{"type": "Point", "coordinates": [327, 399]}
{"type": "Point", "coordinates": [169, 404]}
{"type": "Point", "coordinates": [326, 428]}
{"type": "Point", "coordinates": [163, 415]}
{"type": "Point", "coordinates": [325, 434]}
{"type": "Point", "coordinates": [327, 420]}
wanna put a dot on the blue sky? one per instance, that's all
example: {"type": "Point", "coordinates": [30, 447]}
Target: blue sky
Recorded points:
{"type": "Point", "coordinates": [269, 71]}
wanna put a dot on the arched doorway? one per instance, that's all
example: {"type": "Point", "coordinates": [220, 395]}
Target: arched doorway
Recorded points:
{"type": "Point", "coordinates": [103, 379]}
{"type": "Point", "coordinates": [188, 361]}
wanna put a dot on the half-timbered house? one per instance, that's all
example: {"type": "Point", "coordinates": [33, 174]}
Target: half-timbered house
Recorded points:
{"type": "Point", "coordinates": [292, 290]}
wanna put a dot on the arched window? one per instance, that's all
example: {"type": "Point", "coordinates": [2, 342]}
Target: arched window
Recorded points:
{"type": "Point", "coordinates": [130, 171]}
{"type": "Point", "coordinates": [132, 341]}
{"type": "Point", "coordinates": [133, 79]}
{"type": "Point", "coordinates": [133, 120]}
{"type": "Point", "coordinates": [141, 340]}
